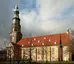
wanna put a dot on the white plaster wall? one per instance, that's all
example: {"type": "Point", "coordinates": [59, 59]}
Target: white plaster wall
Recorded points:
{"type": "Point", "coordinates": [48, 53]}
{"type": "Point", "coordinates": [33, 55]}
{"type": "Point", "coordinates": [54, 53]}
{"type": "Point", "coordinates": [25, 53]}
{"type": "Point", "coordinates": [65, 53]}
{"type": "Point", "coordinates": [39, 54]}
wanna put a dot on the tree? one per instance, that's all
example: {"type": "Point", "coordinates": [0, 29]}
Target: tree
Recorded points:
{"type": "Point", "coordinates": [72, 44]}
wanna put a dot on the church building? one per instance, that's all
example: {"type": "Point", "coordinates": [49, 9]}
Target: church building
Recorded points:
{"type": "Point", "coordinates": [52, 47]}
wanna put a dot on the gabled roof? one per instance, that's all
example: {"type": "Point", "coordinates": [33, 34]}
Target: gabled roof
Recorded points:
{"type": "Point", "coordinates": [48, 40]}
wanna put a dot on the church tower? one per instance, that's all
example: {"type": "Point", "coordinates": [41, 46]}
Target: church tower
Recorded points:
{"type": "Point", "coordinates": [15, 34]}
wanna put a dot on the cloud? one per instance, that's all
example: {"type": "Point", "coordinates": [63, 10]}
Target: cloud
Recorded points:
{"type": "Point", "coordinates": [27, 4]}
{"type": "Point", "coordinates": [30, 23]}
{"type": "Point", "coordinates": [54, 16]}
{"type": "Point", "coordinates": [39, 17]}
{"type": "Point", "coordinates": [53, 8]}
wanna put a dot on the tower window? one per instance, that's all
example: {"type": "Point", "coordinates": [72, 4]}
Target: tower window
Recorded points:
{"type": "Point", "coordinates": [13, 39]}
{"type": "Point", "coordinates": [13, 29]}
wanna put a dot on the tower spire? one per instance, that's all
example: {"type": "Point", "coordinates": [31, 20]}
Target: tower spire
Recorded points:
{"type": "Point", "coordinates": [16, 8]}
{"type": "Point", "coordinates": [16, 11]}
{"type": "Point", "coordinates": [15, 34]}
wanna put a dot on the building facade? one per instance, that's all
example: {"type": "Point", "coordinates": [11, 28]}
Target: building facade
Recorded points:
{"type": "Point", "coordinates": [53, 47]}
{"type": "Point", "coordinates": [46, 48]}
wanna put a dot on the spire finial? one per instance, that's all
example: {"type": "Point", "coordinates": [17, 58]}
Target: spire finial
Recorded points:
{"type": "Point", "coordinates": [16, 6]}
{"type": "Point", "coordinates": [16, 11]}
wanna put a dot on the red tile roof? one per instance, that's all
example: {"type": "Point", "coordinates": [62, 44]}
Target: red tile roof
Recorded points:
{"type": "Point", "coordinates": [54, 39]}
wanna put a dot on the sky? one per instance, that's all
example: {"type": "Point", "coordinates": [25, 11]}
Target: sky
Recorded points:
{"type": "Point", "coordinates": [38, 17]}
